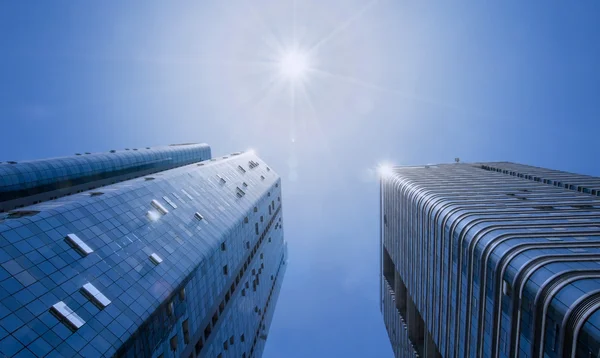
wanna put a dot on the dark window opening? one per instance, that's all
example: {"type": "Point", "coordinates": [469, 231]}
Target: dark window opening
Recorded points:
{"type": "Point", "coordinates": [174, 343]}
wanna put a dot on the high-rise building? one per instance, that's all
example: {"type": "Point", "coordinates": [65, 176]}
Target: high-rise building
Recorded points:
{"type": "Point", "coordinates": [490, 260]}
{"type": "Point", "coordinates": [153, 252]}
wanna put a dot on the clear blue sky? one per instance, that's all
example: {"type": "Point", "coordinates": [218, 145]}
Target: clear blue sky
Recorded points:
{"type": "Point", "coordinates": [403, 82]}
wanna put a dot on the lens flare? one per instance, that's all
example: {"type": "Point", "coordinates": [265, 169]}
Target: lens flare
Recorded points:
{"type": "Point", "coordinates": [294, 64]}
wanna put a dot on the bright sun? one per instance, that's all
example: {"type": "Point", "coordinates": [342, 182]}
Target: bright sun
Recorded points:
{"type": "Point", "coordinates": [293, 64]}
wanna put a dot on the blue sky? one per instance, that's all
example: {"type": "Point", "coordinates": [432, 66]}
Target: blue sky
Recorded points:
{"type": "Point", "coordinates": [408, 83]}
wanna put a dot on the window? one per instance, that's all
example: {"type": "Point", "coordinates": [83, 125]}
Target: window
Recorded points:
{"type": "Point", "coordinates": [242, 338]}
{"type": "Point", "coordinates": [225, 270]}
{"type": "Point", "coordinates": [506, 289]}
{"type": "Point", "coordinates": [198, 347]}
{"type": "Point", "coordinates": [239, 192]}
{"type": "Point", "coordinates": [78, 244]}
{"type": "Point", "coordinates": [207, 331]}
{"type": "Point", "coordinates": [231, 340]}
{"type": "Point", "coordinates": [158, 206]}
{"type": "Point", "coordinates": [95, 296]}
{"type": "Point", "coordinates": [170, 202]}
{"type": "Point", "coordinates": [170, 309]}
{"type": "Point", "coordinates": [67, 315]}
{"type": "Point", "coordinates": [225, 345]}
{"type": "Point", "coordinates": [182, 294]}
{"type": "Point", "coordinates": [221, 179]}
{"type": "Point", "coordinates": [198, 216]}
{"type": "Point", "coordinates": [246, 220]}
{"type": "Point", "coordinates": [255, 209]}
{"type": "Point", "coordinates": [261, 218]}
{"type": "Point", "coordinates": [262, 177]}
{"type": "Point", "coordinates": [174, 343]}
{"type": "Point", "coordinates": [245, 184]}
{"type": "Point", "coordinates": [155, 259]}
{"type": "Point", "coordinates": [186, 332]}
{"type": "Point", "coordinates": [187, 194]}
{"type": "Point", "coordinates": [256, 228]}
{"type": "Point", "coordinates": [223, 248]}
{"type": "Point", "coordinates": [241, 169]}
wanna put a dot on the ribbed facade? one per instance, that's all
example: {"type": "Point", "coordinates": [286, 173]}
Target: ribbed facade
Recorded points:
{"type": "Point", "coordinates": [168, 253]}
{"type": "Point", "coordinates": [490, 260]}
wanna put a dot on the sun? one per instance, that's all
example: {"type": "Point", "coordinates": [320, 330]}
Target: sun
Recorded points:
{"type": "Point", "coordinates": [294, 64]}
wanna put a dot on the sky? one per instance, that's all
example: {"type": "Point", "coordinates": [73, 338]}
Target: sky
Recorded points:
{"type": "Point", "coordinates": [387, 81]}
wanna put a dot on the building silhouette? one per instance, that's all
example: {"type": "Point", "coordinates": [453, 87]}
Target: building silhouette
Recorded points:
{"type": "Point", "coordinates": [151, 252]}
{"type": "Point", "coordinates": [490, 260]}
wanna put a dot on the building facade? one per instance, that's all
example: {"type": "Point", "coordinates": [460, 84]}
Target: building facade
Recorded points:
{"type": "Point", "coordinates": [490, 260]}
{"type": "Point", "coordinates": [154, 252]}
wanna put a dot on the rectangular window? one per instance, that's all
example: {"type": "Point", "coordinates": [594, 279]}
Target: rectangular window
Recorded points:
{"type": "Point", "coordinates": [155, 259]}
{"type": "Point", "coordinates": [198, 347]}
{"type": "Point", "coordinates": [256, 228]}
{"type": "Point", "coordinates": [158, 206]}
{"type": "Point", "coordinates": [186, 332]}
{"type": "Point", "coordinates": [241, 169]}
{"type": "Point", "coordinates": [95, 296]}
{"type": "Point", "coordinates": [67, 315]}
{"type": "Point", "coordinates": [506, 289]}
{"type": "Point", "coordinates": [78, 244]}
{"type": "Point", "coordinates": [170, 202]}
{"type": "Point", "coordinates": [174, 343]}
{"type": "Point", "coordinates": [187, 194]}
{"type": "Point", "coordinates": [198, 216]}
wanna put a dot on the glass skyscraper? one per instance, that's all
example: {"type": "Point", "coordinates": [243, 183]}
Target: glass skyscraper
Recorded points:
{"type": "Point", "coordinates": [149, 252]}
{"type": "Point", "coordinates": [490, 260]}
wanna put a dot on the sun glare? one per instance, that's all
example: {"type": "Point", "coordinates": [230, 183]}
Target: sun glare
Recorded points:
{"type": "Point", "coordinates": [293, 64]}
{"type": "Point", "coordinates": [385, 170]}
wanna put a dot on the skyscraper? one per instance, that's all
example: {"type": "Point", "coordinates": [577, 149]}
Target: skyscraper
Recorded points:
{"type": "Point", "coordinates": [153, 252]}
{"type": "Point", "coordinates": [490, 260]}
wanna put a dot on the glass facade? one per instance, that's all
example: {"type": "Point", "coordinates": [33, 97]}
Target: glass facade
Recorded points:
{"type": "Point", "coordinates": [490, 260]}
{"type": "Point", "coordinates": [184, 261]}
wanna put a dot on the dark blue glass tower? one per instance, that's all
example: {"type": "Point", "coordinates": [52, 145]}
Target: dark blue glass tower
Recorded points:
{"type": "Point", "coordinates": [154, 252]}
{"type": "Point", "coordinates": [490, 260]}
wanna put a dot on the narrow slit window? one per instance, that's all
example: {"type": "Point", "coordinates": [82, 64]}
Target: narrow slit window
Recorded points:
{"type": "Point", "coordinates": [239, 192]}
{"type": "Point", "coordinates": [155, 259]}
{"type": "Point", "coordinates": [221, 179]}
{"type": "Point", "coordinates": [241, 169]}
{"type": "Point", "coordinates": [67, 315]}
{"type": "Point", "coordinates": [21, 214]}
{"type": "Point", "coordinates": [158, 206]}
{"type": "Point", "coordinates": [170, 202]}
{"type": "Point", "coordinates": [187, 194]}
{"type": "Point", "coordinates": [95, 295]}
{"type": "Point", "coordinates": [506, 289]}
{"type": "Point", "coordinates": [198, 216]}
{"type": "Point", "coordinates": [78, 244]}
